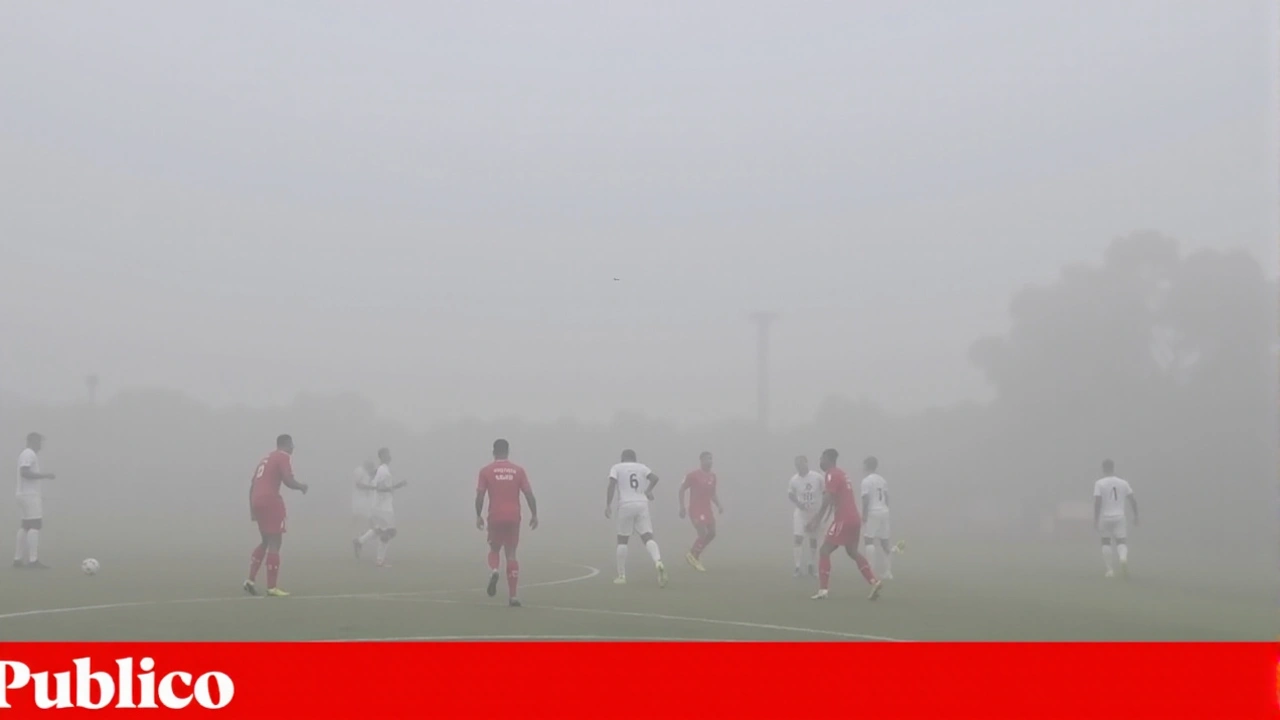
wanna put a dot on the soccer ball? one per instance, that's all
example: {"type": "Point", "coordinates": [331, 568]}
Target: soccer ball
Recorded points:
{"type": "Point", "coordinates": [89, 566]}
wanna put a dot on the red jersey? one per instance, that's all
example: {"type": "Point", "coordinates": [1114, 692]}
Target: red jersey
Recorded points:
{"type": "Point", "coordinates": [702, 487]}
{"type": "Point", "coordinates": [271, 474]}
{"type": "Point", "coordinates": [840, 489]}
{"type": "Point", "coordinates": [504, 482]}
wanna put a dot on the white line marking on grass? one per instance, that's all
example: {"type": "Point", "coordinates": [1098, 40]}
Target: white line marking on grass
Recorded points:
{"type": "Point", "coordinates": [591, 572]}
{"type": "Point", "coordinates": [467, 638]}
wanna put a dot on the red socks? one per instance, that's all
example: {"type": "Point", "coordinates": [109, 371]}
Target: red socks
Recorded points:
{"type": "Point", "coordinates": [513, 576]}
{"type": "Point", "coordinates": [864, 567]}
{"type": "Point", "coordinates": [273, 569]}
{"type": "Point", "coordinates": [698, 546]}
{"type": "Point", "coordinates": [493, 560]}
{"type": "Point", "coordinates": [824, 571]}
{"type": "Point", "coordinates": [255, 562]}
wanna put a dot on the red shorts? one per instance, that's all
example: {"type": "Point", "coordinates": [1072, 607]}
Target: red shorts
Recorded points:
{"type": "Point", "coordinates": [702, 519]}
{"type": "Point", "coordinates": [269, 513]}
{"type": "Point", "coordinates": [504, 534]}
{"type": "Point", "coordinates": [844, 533]}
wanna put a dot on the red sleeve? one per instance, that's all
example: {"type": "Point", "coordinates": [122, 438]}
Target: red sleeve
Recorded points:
{"type": "Point", "coordinates": [829, 483]}
{"type": "Point", "coordinates": [524, 482]}
{"type": "Point", "coordinates": [483, 483]}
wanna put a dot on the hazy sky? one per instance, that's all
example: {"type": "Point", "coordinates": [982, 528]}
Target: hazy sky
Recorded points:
{"type": "Point", "coordinates": [427, 202]}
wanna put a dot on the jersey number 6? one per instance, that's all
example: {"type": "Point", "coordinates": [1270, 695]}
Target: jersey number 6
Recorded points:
{"type": "Point", "coordinates": [635, 482]}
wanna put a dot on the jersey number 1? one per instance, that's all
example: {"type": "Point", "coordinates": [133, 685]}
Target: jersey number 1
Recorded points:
{"type": "Point", "coordinates": [635, 482]}
{"type": "Point", "coordinates": [1115, 494]}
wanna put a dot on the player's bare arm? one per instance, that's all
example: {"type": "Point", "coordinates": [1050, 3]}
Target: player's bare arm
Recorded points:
{"type": "Point", "coordinates": [653, 483]}
{"type": "Point", "coordinates": [715, 500]}
{"type": "Point", "coordinates": [533, 508]}
{"type": "Point", "coordinates": [480, 509]}
{"type": "Point", "coordinates": [292, 483]}
{"type": "Point", "coordinates": [1133, 506]}
{"type": "Point", "coordinates": [866, 503]}
{"type": "Point", "coordinates": [608, 497]}
{"type": "Point", "coordinates": [822, 513]}
{"type": "Point", "coordinates": [29, 474]}
{"type": "Point", "coordinates": [1097, 509]}
{"type": "Point", "coordinates": [795, 500]}
{"type": "Point", "coordinates": [684, 487]}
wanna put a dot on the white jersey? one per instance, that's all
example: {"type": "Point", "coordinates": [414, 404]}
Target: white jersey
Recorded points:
{"type": "Point", "coordinates": [633, 480]}
{"type": "Point", "coordinates": [384, 495]}
{"type": "Point", "coordinates": [1115, 494]}
{"type": "Point", "coordinates": [876, 491]}
{"type": "Point", "coordinates": [808, 491]}
{"type": "Point", "coordinates": [28, 459]}
{"type": "Point", "coordinates": [361, 497]}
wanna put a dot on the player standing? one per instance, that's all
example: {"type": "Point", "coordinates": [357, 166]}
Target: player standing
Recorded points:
{"type": "Point", "coordinates": [875, 518]}
{"type": "Point", "coordinates": [701, 486]}
{"type": "Point", "coordinates": [1110, 496]}
{"type": "Point", "coordinates": [383, 517]}
{"type": "Point", "coordinates": [804, 492]}
{"type": "Point", "coordinates": [504, 482]}
{"type": "Point", "coordinates": [266, 507]}
{"type": "Point", "coordinates": [845, 530]}
{"type": "Point", "coordinates": [30, 505]}
{"type": "Point", "coordinates": [362, 506]}
{"type": "Point", "coordinates": [625, 479]}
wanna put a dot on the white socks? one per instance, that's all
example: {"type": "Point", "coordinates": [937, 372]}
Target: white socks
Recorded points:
{"type": "Point", "coordinates": [1107, 552]}
{"type": "Point", "coordinates": [796, 553]}
{"type": "Point", "coordinates": [622, 561]}
{"type": "Point", "coordinates": [652, 547]}
{"type": "Point", "coordinates": [1123, 551]}
{"type": "Point", "coordinates": [382, 550]}
{"type": "Point", "coordinates": [33, 543]}
{"type": "Point", "coordinates": [20, 547]}
{"type": "Point", "coordinates": [366, 537]}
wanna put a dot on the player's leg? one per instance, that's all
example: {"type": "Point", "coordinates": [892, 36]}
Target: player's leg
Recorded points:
{"type": "Point", "coordinates": [1107, 553]}
{"type": "Point", "coordinates": [274, 542]}
{"type": "Point", "coordinates": [33, 520]}
{"type": "Point", "coordinates": [644, 525]}
{"type": "Point", "coordinates": [813, 554]}
{"type": "Point", "coordinates": [797, 553]}
{"type": "Point", "coordinates": [626, 525]}
{"type": "Point", "coordinates": [870, 552]}
{"type": "Point", "coordinates": [887, 550]}
{"type": "Point", "coordinates": [1120, 534]}
{"type": "Point", "coordinates": [510, 541]}
{"type": "Point", "coordinates": [20, 547]}
{"type": "Point", "coordinates": [385, 536]}
{"type": "Point", "coordinates": [493, 559]}
{"type": "Point", "coordinates": [706, 530]}
{"type": "Point", "coordinates": [824, 564]}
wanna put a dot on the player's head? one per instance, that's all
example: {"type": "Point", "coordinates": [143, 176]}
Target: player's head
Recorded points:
{"type": "Point", "coordinates": [829, 458]}
{"type": "Point", "coordinates": [802, 465]}
{"type": "Point", "coordinates": [628, 456]}
{"type": "Point", "coordinates": [1108, 467]}
{"type": "Point", "coordinates": [285, 443]}
{"type": "Point", "coordinates": [705, 459]}
{"type": "Point", "coordinates": [35, 441]}
{"type": "Point", "coordinates": [384, 455]}
{"type": "Point", "coordinates": [870, 464]}
{"type": "Point", "coordinates": [501, 449]}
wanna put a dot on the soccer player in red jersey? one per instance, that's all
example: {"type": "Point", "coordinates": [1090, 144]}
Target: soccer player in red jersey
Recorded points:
{"type": "Point", "coordinates": [266, 507]}
{"type": "Point", "coordinates": [504, 482]}
{"type": "Point", "coordinates": [701, 486]}
{"type": "Point", "coordinates": [845, 530]}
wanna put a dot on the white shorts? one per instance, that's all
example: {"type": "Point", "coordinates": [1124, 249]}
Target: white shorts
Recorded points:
{"type": "Point", "coordinates": [1113, 528]}
{"type": "Point", "coordinates": [381, 519]}
{"type": "Point", "coordinates": [877, 526]}
{"type": "Point", "coordinates": [30, 507]}
{"type": "Point", "coordinates": [799, 519]}
{"type": "Point", "coordinates": [634, 518]}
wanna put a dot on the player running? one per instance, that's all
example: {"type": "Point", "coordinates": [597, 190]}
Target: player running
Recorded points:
{"type": "Point", "coordinates": [504, 482]}
{"type": "Point", "coordinates": [625, 479]}
{"type": "Point", "coordinates": [875, 518]}
{"type": "Point", "coordinates": [701, 486]}
{"type": "Point", "coordinates": [362, 506]}
{"type": "Point", "coordinates": [804, 492]}
{"type": "Point", "coordinates": [845, 530]}
{"type": "Point", "coordinates": [1110, 496]}
{"type": "Point", "coordinates": [266, 507]}
{"type": "Point", "coordinates": [30, 505]}
{"type": "Point", "coordinates": [383, 517]}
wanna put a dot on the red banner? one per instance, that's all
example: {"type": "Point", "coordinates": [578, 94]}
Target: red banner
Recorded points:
{"type": "Point", "coordinates": [646, 680]}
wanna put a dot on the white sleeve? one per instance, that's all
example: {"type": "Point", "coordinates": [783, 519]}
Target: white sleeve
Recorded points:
{"type": "Point", "coordinates": [793, 486]}
{"type": "Point", "coordinates": [865, 486]}
{"type": "Point", "coordinates": [613, 473]}
{"type": "Point", "coordinates": [1128, 488]}
{"type": "Point", "coordinates": [26, 459]}
{"type": "Point", "coordinates": [647, 471]}
{"type": "Point", "coordinates": [1097, 489]}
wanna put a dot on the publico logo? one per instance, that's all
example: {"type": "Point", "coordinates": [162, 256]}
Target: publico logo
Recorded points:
{"type": "Point", "coordinates": [83, 687]}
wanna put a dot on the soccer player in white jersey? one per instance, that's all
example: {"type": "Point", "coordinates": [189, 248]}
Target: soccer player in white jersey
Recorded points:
{"type": "Point", "coordinates": [362, 494]}
{"type": "Point", "coordinates": [383, 517]}
{"type": "Point", "coordinates": [1110, 496]}
{"type": "Point", "coordinates": [30, 507]}
{"type": "Point", "coordinates": [633, 483]}
{"type": "Point", "coordinates": [805, 493]}
{"type": "Point", "coordinates": [875, 520]}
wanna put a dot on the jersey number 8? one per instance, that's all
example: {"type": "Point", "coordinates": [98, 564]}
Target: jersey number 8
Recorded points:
{"type": "Point", "coordinates": [635, 482]}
